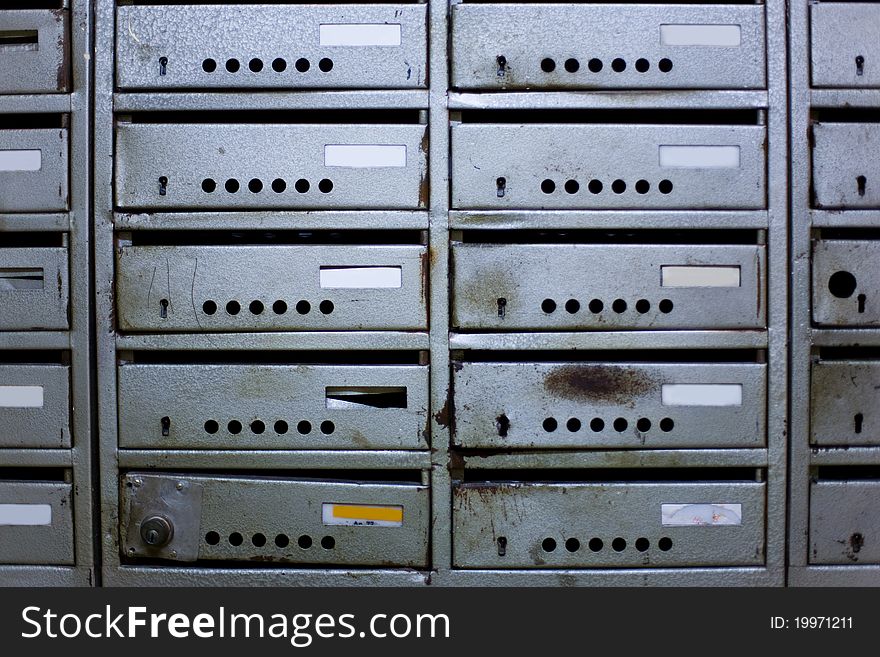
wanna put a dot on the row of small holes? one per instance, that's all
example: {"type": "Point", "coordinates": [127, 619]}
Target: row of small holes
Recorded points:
{"type": "Point", "coordinates": [595, 186]}
{"type": "Point", "coordinates": [258, 426]}
{"type": "Point", "coordinates": [597, 544]}
{"type": "Point", "coordinates": [597, 424]}
{"type": "Point", "coordinates": [596, 306]}
{"type": "Point", "coordinates": [281, 540]}
{"type": "Point", "coordinates": [279, 186]}
{"type": "Point", "coordinates": [256, 307]}
{"type": "Point", "coordinates": [279, 65]}
{"type": "Point", "coordinates": [618, 65]}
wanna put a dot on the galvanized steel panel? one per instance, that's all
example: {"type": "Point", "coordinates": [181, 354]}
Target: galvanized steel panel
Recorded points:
{"type": "Point", "coordinates": [244, 519]}
{"type": "Point", "coordinates": [36, 523]}
{"type": "Point", "coordinates": [41, 184]}
{"type": "Point", "coordinates": [846, 170]}
{"type": "Point", "coordinates": [843, 403]}
{"type": "Point", "coordinates": [845, 522]}
{"type": "Point", "coordinates": [845, 44]}
{"type": "Point", "coordinates": [265, 288]}
{"type": "Point", "coordinates": [621, 405]}
{"type": "Point", "coordinates": [584, 522]}
{"type": "Point", "coordinates": [503, 46]}
{"type": "Point", "coordinates": [273, 406]}
{"type": "Point", "coordinates": [238, 46]}
{"type": "Point", "coordinates": [34, 61]}
{"type": "Point", "coordinates": [845, 283]}
{"type": "Point", "coordinates": [166, 166]}
{"type": "Point", "coordinates": [602, 287]}
{"type": "Point", "coordinates": [34, 406]}
{"type": "Point", "coordinates": [34, 289]}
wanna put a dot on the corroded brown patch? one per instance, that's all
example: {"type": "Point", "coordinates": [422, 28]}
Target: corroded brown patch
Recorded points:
{"type": "Point", "coordinates": [598, 383]}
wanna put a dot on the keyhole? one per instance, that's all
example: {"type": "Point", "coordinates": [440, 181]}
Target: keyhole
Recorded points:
{"type": "Point", "coordinates": [502, 307]}
{"type": "Point", "coordinates": [502, 545]}
{"type": "Point", "coordinates": [163, 308]}
{"type": "Point", "coordinates": [152, 537]}
{"type": "Point", "coordinates": [860, 65]}
{"type": "Point", "coordinates": [502, 65]}
{"type": "Point", "coordinates": [502, 423]}
{"type": "Point", "coordinates": [163, 64]}
{"type": "Point", "coordinates": [163, 186]}
{"type": "Point", "coordinates": [501, 186]}
{"type": "Point", "coordinates": [860, 181]}
{"type": "Point", "coordinates": [857, 420]}
{"type": "Point", "coordinates": [861, 300]}
{"type": "Point", "coordinates": [166, 425]}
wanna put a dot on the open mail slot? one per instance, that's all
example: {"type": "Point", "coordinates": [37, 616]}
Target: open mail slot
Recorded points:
{"type": "Point", "coordinates": [846, 281]}
{"type": "Point", "coordinates": [845, 521]}
{"type": "Point", "coordinates": [846, 172]}
{"type": "Point", "coordinates": [607, 286]}
{"type": "Point", "coordinates": [33, 51]}
{"type": "Point", "coordinates": [535, 166]}
{"type": "Point", "coordinates": [249, 166]}
{"type": "Point", "coordinates": [281, 520]}
{"type": "Point", "coordinates": [844, 49]}
{"type": "Point", "coordinates": [270, 288]}
{"type": "Point", "coordinates": [607, 524]}
{"type": "Point", "coordinates": [610, 404]}
{"type": "Point", "coordinates": [843, 402]}
{"type": "Point", "coordinates": [34, 288]}
{"type": "Point", "coordinates": [33, 170]}
{"type": "Point", "coordinates": [241, 46]}
{"type": "Point", "coordinates": [36, 522]}
{"type": "Point", "coordinates": [34, 405]}
{"type": "Point", "coordinates": [273, 406]}
{"type": "Point", "coordinates": [503, 46]}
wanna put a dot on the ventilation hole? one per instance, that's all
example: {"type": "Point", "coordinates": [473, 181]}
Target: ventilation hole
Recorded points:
{"type": "Point", "coordinates": [548, 544]}
{"type": "Point", "coordinates": [572, 65]}
{"type": "Point", "coordinates": [281, 427]}
{"type": "Point", "coordinates": [326, 307]}
{"type": "Point", "coordinates": [618, 65]}
{"type": "Point", "coordinates": [212, 538]}
{"type": "Point", "coordinates": [209, 65]}
{"type": "Point", "coordinates": [595, 186]}
{"type": "Point", "coordinates": [327, 427]}
{"type": "Point", "coordinates": [326, 64]}
{"type": "Point", "coordinates": [548, 186]}
{"type": "Point", "coordinates": [620, 425]}
{"type": "Point", "coordinates": [596, 306]}
{"type": "Point", "coordinates": [665, 544]}
{"type": "Point", "coordinates": [255, 185]}
{"type": "Point", "coordinates": [256, 65]}
{"type": "Point", "coordinates": [302, 185]}
{"type": "Point", "coordinates": [665, 65]}
{"type": "Point", "coordinates": [842, 284]}
{"type": "Point", "coordinates": [618, 306]}
{"type": "Point", "coordinates": [573, 424]}
{"type": "Point", "coordinates": [665, 306]}
{"type": "Point", "coordinates": [279, 185]}
{"type": "Point", "coordinates": [572, 306]}
{"type": "Point", "coordinates": [325, 186]}
{"type": "Point", "coordinates": [328, 542]}
{"type": "Point", "coordinates": [572, 186]}
{"type": "Point", "coordinates": [596, 544]}
{"type": "Point", "coordinates": [209, 185]}
{"type": "Point", "coordinates": [279, 65]}
{"type": "Point", "coordinates": [304, 427]}
{"type": "Point", "coordinates": [618, 186]}
{"type": "Point", "coordinates": [233, 307]}
{"type": "Point", "coordinates": [282, 540]}
{"type": "Point", "coordinates": [665, 186]}
{"type": "Point", "coordinates": [232, 186]}
{"type": "Point", "coordinates": [209, 307]}
{"type": "Point", "coordinates": [256, 307]}
{"type": "Point", "coordinates": [304, 541]}
{"type": "Point", "coordinates": [232, 65]}
{"type": "Point", "coordinates": [548, 306]}
{"type": "Point", "coordinates": [302, 65]}
{"type": "Point", "coordinates": [259, 540]}
{"type": "Point", "coordinates": [279, 307]}
{"type": "Point", "coordinates": [597, 424]}
{"type": "Point", "coordinates": [618, 544]}
{"type": "Point", "coordinates": [303, 307]}
{"type": "Point", "coordinates": [643, 306]}
{"type": "Point", "coordinates": [211, 426]}
{"type": "Point", "coordinates": [549, 424]}
{"type": "Point", "coordinates": [258, 427]}
{"type": "Point", "coordinates": [666, 424]}
{"type": "Point", "coordinates": [234, 427]}
{"type": "Point", "coordinates": [642, 544]}
{"type": "Point", "coordinates": [642, 65]}
{"type": "Point", "coordinates": [236, 539]}
{"type": "Point", "coordinates": [643, 186]}
{"type": "Point", "coordinates": [595, 65]}
{"type": "Point", "coordinates": [572, 545]}
{"type": "Point", "coordinates": [643, 424]}
{"type": "Point", "coordinates": [548, 65]}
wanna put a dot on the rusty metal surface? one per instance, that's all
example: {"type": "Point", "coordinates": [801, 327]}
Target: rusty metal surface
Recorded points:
{"type": "Point", "coordinates": [37, 61]}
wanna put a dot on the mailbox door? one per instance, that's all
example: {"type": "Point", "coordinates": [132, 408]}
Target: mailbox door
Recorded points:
{"type": "Point", "coordinates": [34, 406]}
{"type": "Point", "coordinates": [33, 51]}
{"type": "Point", "coordinates": [845, 283]}
{"type": "Point", "coordinates": [844, 49]}
{"type": "Point", "coordinates": [845, 522]}
{"type": "Point", "coordinates": [33, 170]}
{"type": "Point", "coordinates": [34, 289]}
{"type": "Point", "coordinates": [36, 523]}
{"type": "Point", "coordinates": [846, 172]}
{"type": "Point", "coordinates": [843, 403]}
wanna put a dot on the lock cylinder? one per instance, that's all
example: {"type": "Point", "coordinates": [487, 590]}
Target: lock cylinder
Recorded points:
{"type": "Point", "coordinates": [157, 531]}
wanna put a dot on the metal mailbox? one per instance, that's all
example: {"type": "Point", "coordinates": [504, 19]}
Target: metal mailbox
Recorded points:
{"type": "Point", "coordinates": [36, 523]}
{"type": "Point", "coordinates": [609, 405]}
{"type": "Point", "coordinates": [846, 171]}
{"type": "Point", "coordinates": [195, 518]}
{"type": "Point", "coordinates": [557, 166]}
{"type": "Point", "coordinates": [34, 288]}
{"type": "Point", "coordinates": [843, 402]}
{"type": "Point", "coordinates": [844, 49]}
{"type": "Point", "coordinates": [241, 46]}
{"type": "Point", "coordinates": [247, 166]}
{"type": "Point", "coordinates": [273, 406]}
{"type": "Point", "coordinates": [271, 288]}
{"type": "Point", "coordinates": [584, 525]}
{"type": "Point", "coordinates": [608, 286]}
{"type": "Point", "coordinates": [846, 281]}
{"type": "Point", "coordinates": [503, 46]}
{"type": "Point", "coordinates": [845, 522]}
{"type": "Point", "coordinates": [33, 51]}
{"type": "Point", "coordinates": [33, 170]}
{"type": "Point", "coordinates": [34, 406]}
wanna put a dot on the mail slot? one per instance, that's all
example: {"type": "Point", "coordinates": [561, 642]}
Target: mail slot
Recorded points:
{"type": "Point", "coordinates": [608, 524]}
{"type": "Point", "coordinates": [34, 405]}
{"type": "Point", "coordinates": [246, 46]}
{"type": "Point", "coordinates": [273, 406]}
{"type": "Point", "coordinates": [34, 290]}
{"type": "Point", "coordinates": [281, 520]}
{"type": "Point", "coordinates": [503, 46]}
{"type": "Point", "coordinates": [845, 51]}
{"type": "Point", "coordinates": [607, 286]}
{"type": "Point", "coordinates": [33, 170]}
{"type": "Point", "coordinates": [846, 283]}
{"type": "Point", "coordinates": [845, 522]}
{"type": "Point", "coordinates": [33, 51]}
{"type": "Point", "coordinates": [843, 402]}
{"type": "Point", "coordinates": [270, 288]}
{"type": "Point", "coordinates": [846, 172]}
{"type": "Point", "coordinates": [241, 166]}
{"type": "Point", "coordinates": [553, 166]}
{"type": "Point", "coordinates": [36, 523]}
{"type": "Point", "coordinates": [610, 404]}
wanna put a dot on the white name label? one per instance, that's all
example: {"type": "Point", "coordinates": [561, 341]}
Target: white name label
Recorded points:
{"type": "Point", "coordinates": [361, 277]}
{"type": "Point", "coordinates": [361, 156]}
{"type": "Point", "coordinates": [701, 394]}
{"type": "Point", "coordinates": [21, 160]}
{"type": "Point", "coordinates": [25, 515]}
{"type": "Point", "coordinates": [723, 36]}
{"type": "Point", "coordinates": [699, 276]}
{"type": "Point", "coordinates": [359, 34]}
{"type": "Point", "coordinates": [21, 397]}
{"type": "Point", "coordinates": [699, 157]}
{"type": "Point", "coordinates": [690, 515]}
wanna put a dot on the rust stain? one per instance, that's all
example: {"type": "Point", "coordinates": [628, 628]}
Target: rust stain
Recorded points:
{"type": "Point", "coordinates": [598, 383]}
{"type": "Point", "coordinates": [424, 261]}
{"type": "Point", "coordinates": [442, 416]}
{"type": "Point", "coordinates": [63, 72]}
{"type": "Point", "coordinates": [424, 183]}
